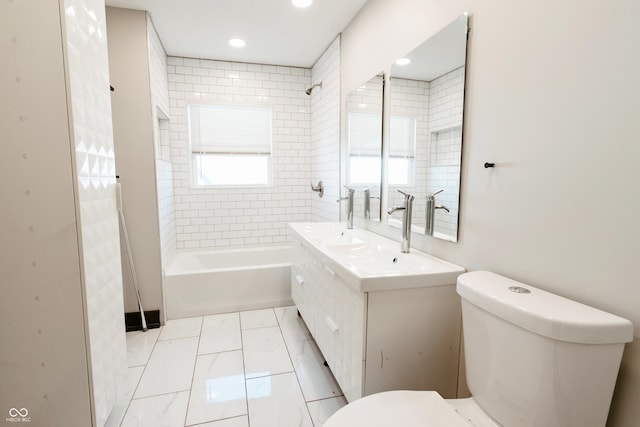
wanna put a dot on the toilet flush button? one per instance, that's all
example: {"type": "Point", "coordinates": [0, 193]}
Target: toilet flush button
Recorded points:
{"type": "Point", "coordinates": [519, 290]}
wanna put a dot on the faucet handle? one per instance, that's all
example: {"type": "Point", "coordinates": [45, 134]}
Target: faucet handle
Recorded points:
{"type": "Point", "coordinates": [349, 195]}
{"type": "Point", "coordinates": [406, 195]}
{"type": "Point", "coordinates": [437, 192]}
{"type": "Point", "coordinates": [318, 188]}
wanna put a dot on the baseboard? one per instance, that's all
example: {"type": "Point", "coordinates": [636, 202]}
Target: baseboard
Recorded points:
{"type": "Point", "coordinates": [133, 321]}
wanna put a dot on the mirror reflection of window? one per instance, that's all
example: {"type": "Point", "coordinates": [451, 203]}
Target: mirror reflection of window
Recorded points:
{"type": "Point", "coordinates": [363, 142]}
{"type": "Point", "coordinates": [402, 150]}
{"type": "Point", "coordinates": [364, 148]}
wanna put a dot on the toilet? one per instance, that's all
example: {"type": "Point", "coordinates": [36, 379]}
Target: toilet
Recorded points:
{"type": "Point", "coordinates": [533, 359]}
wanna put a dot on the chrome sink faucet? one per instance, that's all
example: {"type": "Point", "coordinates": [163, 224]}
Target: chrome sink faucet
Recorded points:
{"type": "Point", "coordinates": [405, 244]}
{"type": "Point", "coordinates": [367, 202]}
{"type": "Point", "coordinates": [349, 199]}
{"type": "Point", "coordinates": [430, 212]}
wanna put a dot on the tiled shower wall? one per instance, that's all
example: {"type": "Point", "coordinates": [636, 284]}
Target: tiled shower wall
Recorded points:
{"type": "Point", "coordinates": [216, 217]}
{"type": "Point", "coordinates": [437, 106]}
{"type": "Point", "coordinates": [325, 133]}
{"type": "Point", "coordinates": [92, 139]}
{"type": "Point", "coordinates": [446, 95]}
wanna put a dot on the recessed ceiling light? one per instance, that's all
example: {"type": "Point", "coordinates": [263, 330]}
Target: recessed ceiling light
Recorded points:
{"type": "Point", "coordinates": [302, 3]}
{"type": "Point", "coordinates": [403, 61]}
{"type": "Point", "coordinates": [237, 42]}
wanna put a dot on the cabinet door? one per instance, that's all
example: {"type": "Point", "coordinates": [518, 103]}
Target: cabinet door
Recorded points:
{"type": "Point", "coordinates": [342, 328]}
{"type": "Point", "coordinates": [413, 340]}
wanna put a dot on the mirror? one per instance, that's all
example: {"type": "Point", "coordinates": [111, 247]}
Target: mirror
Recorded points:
{"type": "Point", "coordinates": [425, 137]}
{"type": "Point", "coordinates": [363, 126]}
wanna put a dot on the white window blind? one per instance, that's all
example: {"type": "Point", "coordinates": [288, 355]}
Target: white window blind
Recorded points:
{"type": "Point", "coordinates": [229, 129]}
{"type": "Point", "coordinates": [365, 134]}
{"type": "Point", "coordinates": [402, 137]}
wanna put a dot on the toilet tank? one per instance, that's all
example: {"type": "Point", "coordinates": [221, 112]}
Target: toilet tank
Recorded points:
{"type": "Point", "coordinates": [535, 359]}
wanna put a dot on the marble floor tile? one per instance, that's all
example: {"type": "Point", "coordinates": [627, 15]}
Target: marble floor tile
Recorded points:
{"type": "Point", "coordinates": [276, 401]}
{"type": "Point", "coordinates": [258, 319]}
{"type": "Point", "coordinates": [139, 346]}
{"type": "Point", "coordinates": [254, 368]}
{"type": "Point", "coordinates": [265, 352]}
{"type": "Point", "coordinates": [218, 389]}
{"type": "Point", "coordinates": [167, 410]}
{"type": "Point", "coordinates": [181, 328]}
{"type": "Point", "coordinates": [321, 410]}
{"type": "Point", "coordinates": [129, 385]}
{"type": "Point", "coordinates": [292, 325]}
{"type": "Point", "coordinates": [242, 421]}
{"type": "Point", "coordinates": [170, 368]}
{"type": "Point", "coordinates": [316, 380]}
{"type": "Point", "coordinates": [220, 332]}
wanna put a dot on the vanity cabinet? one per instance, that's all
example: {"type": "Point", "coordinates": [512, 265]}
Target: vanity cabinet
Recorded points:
{"type": "Point", "coordinates": [378, 340]}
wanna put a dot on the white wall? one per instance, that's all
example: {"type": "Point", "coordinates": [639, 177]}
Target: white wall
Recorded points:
{"type": "Point", "coordinates": [43, 364]}
{"type": "Point", "coordinates": [160, 111]}
{"type": "Point", "coordinates": [133, 123]}
{"type": "Point", "coordinates": [217, 217]}
{"type": "Point", "coordinates": [552, 97]}
{"type": "Point", "coordinates": [63, 350]}
{"type": "Point", "coordinates": [325, 133]}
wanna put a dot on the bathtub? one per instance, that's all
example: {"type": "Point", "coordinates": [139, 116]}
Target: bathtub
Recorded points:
{"type": "Point", "coordinates": [198, 283]}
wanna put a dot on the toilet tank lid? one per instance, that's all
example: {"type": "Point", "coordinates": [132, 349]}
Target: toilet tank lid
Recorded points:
{"type": "Point", "coordinates": [542, 312]}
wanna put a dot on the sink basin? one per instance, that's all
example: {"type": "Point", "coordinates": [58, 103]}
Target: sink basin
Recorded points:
{"type": "Point", "coordinates": [371, 262]}
{"type": "Point", "coordinates": [329, 233]}
{"type": "Point", "coordinates": [378, 259]}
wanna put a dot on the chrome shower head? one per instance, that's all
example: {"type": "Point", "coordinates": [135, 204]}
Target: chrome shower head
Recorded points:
{"type": "Point", "coordinates": [308, 91]}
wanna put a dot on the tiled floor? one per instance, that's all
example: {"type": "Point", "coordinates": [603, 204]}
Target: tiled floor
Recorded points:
{"type": "Point", "coordinates": [249, 369]}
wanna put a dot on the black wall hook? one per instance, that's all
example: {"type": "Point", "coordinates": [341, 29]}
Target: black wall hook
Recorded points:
{"type": "Point", "coordinates": [489, 165]}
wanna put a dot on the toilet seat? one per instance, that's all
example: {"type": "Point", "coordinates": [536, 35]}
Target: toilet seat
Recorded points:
{"type": "Point", "coordinates": [400, 408]}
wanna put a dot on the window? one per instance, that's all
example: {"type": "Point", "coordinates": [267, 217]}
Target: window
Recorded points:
{"type": "Point", "coordinates": [365, 140]}
{"type": "Point", "coordinates": [230, 145]}
{"type": "Point", "coordinates": [402, 150]}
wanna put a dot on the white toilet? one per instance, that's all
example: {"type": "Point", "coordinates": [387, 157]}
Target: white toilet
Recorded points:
{"type": "Point", "coordinates": [533, 359]}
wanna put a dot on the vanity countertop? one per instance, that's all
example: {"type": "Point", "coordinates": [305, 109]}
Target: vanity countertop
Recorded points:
{"type": "Point", "coordinates": [370, 262]}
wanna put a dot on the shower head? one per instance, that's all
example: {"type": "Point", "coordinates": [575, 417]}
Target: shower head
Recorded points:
{"type": "Point", "coordinates": [308, 92]}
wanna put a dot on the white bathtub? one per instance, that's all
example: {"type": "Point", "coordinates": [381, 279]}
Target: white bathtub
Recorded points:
{"type": "Point", "coordinates": [222, 280]}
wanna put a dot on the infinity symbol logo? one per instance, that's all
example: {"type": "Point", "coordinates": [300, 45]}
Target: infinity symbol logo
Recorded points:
{"type": "Point", "coordinates": [23, 412]}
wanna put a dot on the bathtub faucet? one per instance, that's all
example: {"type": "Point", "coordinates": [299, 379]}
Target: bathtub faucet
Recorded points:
{"type": "Point", "coordinates": [349, 199]}
{"type": "Point", "coordinates": [406, 208]}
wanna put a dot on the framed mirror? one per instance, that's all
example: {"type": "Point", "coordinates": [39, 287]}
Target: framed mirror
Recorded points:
{"type": "Point", "coordinates": [426, 99]}
{"type": "Point", "coordinates": [363, 128]}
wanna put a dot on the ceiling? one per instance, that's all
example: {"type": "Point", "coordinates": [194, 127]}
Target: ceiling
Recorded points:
{"type": "Point", "coordinates": [276, 32]}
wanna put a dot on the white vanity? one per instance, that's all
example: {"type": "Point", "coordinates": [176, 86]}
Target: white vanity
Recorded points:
{"type": "Point", "coordinates": [384, 320]}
